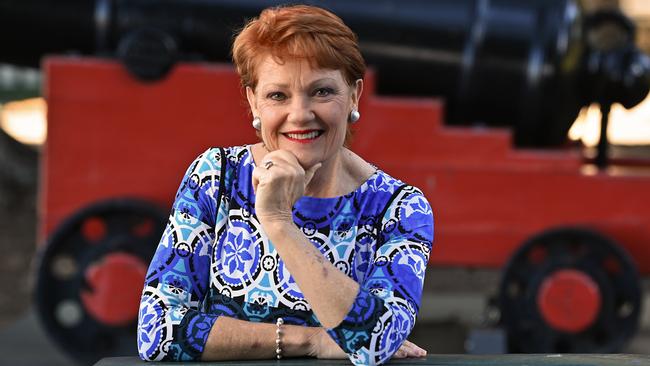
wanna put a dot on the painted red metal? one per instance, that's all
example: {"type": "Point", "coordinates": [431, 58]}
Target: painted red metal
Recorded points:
{"type": "Point", "coordinates": [111, 298]}
{"type": "Point", "coordinates": [110, 136]}
{"type": "Point", "coordinates": [569, 300]}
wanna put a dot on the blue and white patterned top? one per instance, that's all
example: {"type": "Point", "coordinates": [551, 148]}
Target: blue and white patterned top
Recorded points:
{"type": "Point", "coordinates": [215, 260]}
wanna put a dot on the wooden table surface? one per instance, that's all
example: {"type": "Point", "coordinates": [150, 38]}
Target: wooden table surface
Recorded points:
{"type": "Point", "coordinates": [442, 360]}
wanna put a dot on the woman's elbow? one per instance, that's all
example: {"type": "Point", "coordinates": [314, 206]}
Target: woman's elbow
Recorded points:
{"type": "Point", "coordinates": [143, 354]}
{"type": "Point", "coordinates": [147, 347]}
{"type": "Point", "coordinates": [150, 335]}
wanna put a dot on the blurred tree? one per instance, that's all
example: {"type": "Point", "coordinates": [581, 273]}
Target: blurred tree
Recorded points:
{"type": "Point", "coordinates": [18, 176]}
{"type": "Point", "coordinates": [18, 182]}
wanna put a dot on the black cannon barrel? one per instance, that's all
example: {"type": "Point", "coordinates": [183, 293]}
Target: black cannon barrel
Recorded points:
{"type": "Point", "coordinates": [496, 62]}
{"type": "Point", "coordinates": [31, 29]}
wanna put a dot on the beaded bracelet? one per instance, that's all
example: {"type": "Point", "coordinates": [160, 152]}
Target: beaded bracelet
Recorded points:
{"type": "Point", "coordinates": [278, 342]}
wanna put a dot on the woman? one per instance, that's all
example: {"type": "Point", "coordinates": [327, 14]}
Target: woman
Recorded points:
{"type": "Point", "coordinates": [294, 246]}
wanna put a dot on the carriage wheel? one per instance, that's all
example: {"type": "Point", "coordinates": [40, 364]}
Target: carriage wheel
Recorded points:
{"type": "Point", "coordinates": [569, 291]}
{"type": "Point", "coordinates": [91, 274]}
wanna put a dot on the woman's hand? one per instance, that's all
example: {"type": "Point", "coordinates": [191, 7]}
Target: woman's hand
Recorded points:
{"type": "Point", "coordinates": [409, 349]}
{"type": "Point", "coordinates": [321, 345]}
{"type": "Point", "coordinates": [279, 181]}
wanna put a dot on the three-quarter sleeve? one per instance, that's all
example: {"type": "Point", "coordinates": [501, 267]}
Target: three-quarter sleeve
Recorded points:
{"type": "Point", "coordinates": [384, 311]}
{"type": "Point", "coordinates": [171, 325]}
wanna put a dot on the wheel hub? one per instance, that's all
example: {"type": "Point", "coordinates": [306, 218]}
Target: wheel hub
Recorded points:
{"type": "Point", "coordinates": [113, 298]}
{"type": "Point", "coordinates": [569, 300]}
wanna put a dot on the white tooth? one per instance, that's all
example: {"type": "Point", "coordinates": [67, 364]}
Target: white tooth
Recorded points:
{"type": "Point", "coordinates": [304, 136]}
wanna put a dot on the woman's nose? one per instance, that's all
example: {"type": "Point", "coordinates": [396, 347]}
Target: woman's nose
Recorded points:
{"type": "Point", "coordinates": [300, 111]}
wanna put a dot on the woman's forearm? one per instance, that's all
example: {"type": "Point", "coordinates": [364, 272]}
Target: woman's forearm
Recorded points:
{"type": "Point", "coordinates": [234, 339]}
{"type": "Point", "coordinates": [329, 291]}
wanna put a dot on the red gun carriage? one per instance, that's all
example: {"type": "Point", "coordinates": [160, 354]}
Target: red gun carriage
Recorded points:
{"type": "Point", "coordinates": [574, 237]}
{"type": "Point", "coordinates": [571, 236]}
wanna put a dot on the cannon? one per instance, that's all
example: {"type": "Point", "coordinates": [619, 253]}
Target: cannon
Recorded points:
{"type": "Point", "coordinates": [497, 63]}
{"type": "Point", "coordinates": [520, 71]}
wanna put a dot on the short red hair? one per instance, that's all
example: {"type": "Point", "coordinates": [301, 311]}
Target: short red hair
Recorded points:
{"type": "Point", "coordinates": [298, 32]}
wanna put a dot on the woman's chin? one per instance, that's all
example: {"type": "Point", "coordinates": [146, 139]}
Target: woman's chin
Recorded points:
{"type": "Point", "coordinates": [308, 163]}
{"type": "Point", "coordinates": [305, 157]}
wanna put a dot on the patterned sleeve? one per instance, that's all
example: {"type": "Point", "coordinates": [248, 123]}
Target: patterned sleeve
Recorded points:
{"type": "Point", "coordinates": [383, 313]}
{"type": "Point", "coordinates": [170, 324]}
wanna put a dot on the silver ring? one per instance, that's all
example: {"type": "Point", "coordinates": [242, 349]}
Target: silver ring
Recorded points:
{"type": "Point", "coordinates": [267, 164]}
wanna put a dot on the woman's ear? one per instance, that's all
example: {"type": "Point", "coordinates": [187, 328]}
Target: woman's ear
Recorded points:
{"type": "Point", "coordinates": [252, 101]}
{"type": "Point", "coordinates": [356, 93]}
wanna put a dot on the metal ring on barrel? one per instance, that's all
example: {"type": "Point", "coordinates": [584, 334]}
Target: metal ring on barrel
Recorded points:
{"type": "Point", "coordinates": [569, 290]}
{"type": "Point", "coordinates": [90, 277]}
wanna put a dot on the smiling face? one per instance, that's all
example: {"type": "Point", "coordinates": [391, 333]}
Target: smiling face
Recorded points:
{"type": "Point", "coordinates": [303, 110]}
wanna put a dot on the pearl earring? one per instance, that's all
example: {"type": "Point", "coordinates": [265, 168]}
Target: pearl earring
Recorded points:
{"type": "Point", "coordinates": [257, 123]}
{"type": "Point", "coordinates": [354, 115]}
